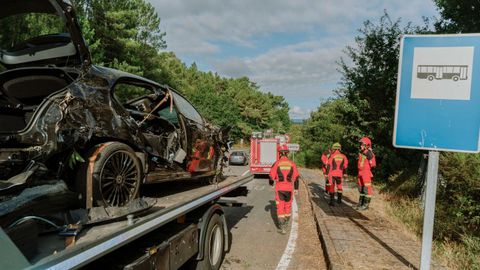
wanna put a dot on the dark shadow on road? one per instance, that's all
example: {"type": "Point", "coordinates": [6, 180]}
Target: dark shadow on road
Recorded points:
{"type": "Point", "coordinates": [339, 210]}
{"type": "Point", "coordinates": [233, 215]}
{"type": "Point", "coordinates": [385, 245]}
{"type": "Point", "coordinates": [272, 208]}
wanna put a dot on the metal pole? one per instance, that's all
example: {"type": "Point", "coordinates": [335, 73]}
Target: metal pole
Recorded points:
{"type": "Point", "coordinates": [429, 212]}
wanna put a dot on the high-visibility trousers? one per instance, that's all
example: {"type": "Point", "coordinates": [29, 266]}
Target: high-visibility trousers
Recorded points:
{"type": "Point", "coordinates": [335, 181]}
{"type": "Point", "coordinates": [365, 184]}
{"type": "Point", "coordinates": [283, 199]}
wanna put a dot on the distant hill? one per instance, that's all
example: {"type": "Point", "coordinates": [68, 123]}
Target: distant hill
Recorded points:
{"type": "Point", "coordinates": [297, 121]}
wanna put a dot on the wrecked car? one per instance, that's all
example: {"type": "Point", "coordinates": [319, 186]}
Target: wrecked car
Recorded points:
{"type": "Point", "coordinates": [103, 131]}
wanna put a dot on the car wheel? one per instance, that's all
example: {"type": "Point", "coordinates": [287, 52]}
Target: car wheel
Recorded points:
{"type": "Point", "coordinates": [430, 77]}
{"type": "Point", "coordinates": [116, 174]}
{"type": "Point", "coordinates": [214, 245]}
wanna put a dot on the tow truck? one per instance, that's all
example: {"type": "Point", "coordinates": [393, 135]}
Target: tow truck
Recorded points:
{"type": "Point", "coordinates": [263, 151]}
{"type": "Point", "coordinates": [186, 226]}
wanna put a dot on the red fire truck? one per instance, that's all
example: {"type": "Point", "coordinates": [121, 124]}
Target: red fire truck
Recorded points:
{"type": "Point", "coordinates": [263, 151]}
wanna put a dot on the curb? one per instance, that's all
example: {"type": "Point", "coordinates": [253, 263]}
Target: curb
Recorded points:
{"type": "Point", "coordinates": [331, 256]}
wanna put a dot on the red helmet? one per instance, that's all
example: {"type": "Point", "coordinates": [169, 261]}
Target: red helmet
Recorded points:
{"type": "Point", "coordinates": [366, 141]}
{"type": "Point", "coordinates": [283, 148]}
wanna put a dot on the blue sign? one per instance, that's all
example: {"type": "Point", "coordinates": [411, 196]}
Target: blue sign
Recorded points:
{"type": "Point", "coordinates": [438, 93]}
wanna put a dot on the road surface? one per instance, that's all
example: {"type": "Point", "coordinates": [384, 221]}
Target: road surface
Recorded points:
{"type": "Point", "coordinates": [255, 242]}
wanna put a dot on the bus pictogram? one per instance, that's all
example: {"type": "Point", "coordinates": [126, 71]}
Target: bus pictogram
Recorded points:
{"type": "Point", "coordinates": [440, 72]}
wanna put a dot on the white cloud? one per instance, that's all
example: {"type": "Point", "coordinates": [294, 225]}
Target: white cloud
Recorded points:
{"type": "Point", "coordinates": [195, 27]}
{"type": "Point", "coordinates": [298, 113]}
{"type": "Point", "coordinates": [303, 71]}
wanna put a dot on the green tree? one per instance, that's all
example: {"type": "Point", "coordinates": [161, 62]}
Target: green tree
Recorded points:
{"type": "Point", "coordinates": [458, 16]}
{"type": "Point", "coordinates": [123, 34]}
{"type": "Point", "coordinates": [369, 80]}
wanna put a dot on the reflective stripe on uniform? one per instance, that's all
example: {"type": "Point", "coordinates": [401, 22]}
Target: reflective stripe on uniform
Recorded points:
{"type": "Point", "coordinates": [362, 160]}
{"type": "Point", "coordinates": [284, 166]}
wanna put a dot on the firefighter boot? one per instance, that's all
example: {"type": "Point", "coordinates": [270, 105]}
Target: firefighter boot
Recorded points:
{"type": "Point", "coordinates": [360, 203]}
{"type": "Point", "coordinates": [332, 198]}
{"type": "Point", "coordinates": [339, 197]}
{"type": "Point", "coordinates": [366, 203]}
{"type": "Point", "coordinates": [281, 222]}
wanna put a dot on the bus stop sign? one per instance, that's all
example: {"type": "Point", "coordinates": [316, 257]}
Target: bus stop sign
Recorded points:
{"type": "Point", "coordinates": [438, 93]}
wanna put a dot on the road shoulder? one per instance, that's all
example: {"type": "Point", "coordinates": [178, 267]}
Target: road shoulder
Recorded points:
{"type": "Point", "coordinates": [309, 252]}
{"type": "Point", "coordinates": [360, 239]}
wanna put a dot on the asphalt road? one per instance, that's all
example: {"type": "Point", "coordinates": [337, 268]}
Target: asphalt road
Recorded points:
{"type": "Point", "coordinates": [255, 242]}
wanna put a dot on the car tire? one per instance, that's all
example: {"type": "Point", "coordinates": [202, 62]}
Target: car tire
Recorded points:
{"type": "Point", "coordinates": [214, 245]}
{"type": "Point", "coordinates": [116, 175]}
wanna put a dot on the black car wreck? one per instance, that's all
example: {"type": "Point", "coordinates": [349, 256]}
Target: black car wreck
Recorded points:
{"type": "Point", "coordinates": [103, 131]}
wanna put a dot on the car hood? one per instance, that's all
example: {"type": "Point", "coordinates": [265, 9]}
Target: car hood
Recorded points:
{"type": "Point", "coordinates": [40, 46]}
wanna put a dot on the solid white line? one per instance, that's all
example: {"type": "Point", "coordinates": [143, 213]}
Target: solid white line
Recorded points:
{"type": "Point", "coordinates": [292, 240]}
{"type": "Point", "coordinates": [245, 172]}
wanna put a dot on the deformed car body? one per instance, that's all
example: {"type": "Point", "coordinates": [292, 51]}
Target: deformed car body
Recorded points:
{"type": "Point", "coordinates": [105, 132]}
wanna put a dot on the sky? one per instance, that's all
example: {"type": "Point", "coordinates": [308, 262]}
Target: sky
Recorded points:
{"type": "Point", "coordinates": [287, 47]}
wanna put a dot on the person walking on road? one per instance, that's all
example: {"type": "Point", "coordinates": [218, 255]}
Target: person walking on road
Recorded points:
{"type": "Point", "coordinates": [366, 161]}
{"type": "Point", "coordinates": [285, 175]}
{"type": "Point", "coordinates": [337, 164]}
{"type": "Point", "coordinates": [324, 160]}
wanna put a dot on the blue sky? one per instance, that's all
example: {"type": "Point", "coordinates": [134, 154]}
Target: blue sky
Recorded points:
{"type": "Point", "coordinates": [287, 47]}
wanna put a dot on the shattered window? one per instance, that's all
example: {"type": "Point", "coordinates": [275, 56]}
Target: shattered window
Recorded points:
{"type": "Point", "coordinates": [126, 92]}
{"type": "Point", "coordinates": [18, 31]}
{"type": "Point", "coordinates": [170, 116]}
{"type": "Point", "coordinates": [187, 109]}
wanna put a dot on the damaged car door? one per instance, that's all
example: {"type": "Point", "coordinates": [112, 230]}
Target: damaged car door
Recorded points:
{"type": "Point", "coordinates": [201, 151]}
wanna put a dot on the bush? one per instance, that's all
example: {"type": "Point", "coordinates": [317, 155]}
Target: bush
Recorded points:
{"type": "Point", "coordinates": [458, 199]}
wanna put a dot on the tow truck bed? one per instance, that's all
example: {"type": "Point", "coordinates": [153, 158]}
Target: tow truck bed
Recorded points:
{"type": "Point", "coordinates": [96, 241]}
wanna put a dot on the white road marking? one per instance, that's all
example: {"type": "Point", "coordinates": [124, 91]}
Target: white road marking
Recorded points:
{"type": "Point", "coordinates": [245, 172]}
{"type": "Point", "coordinates": [292, 240]}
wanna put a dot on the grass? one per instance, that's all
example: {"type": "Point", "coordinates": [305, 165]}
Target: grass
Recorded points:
{"type": "Point", "coordinates": [462, 254]}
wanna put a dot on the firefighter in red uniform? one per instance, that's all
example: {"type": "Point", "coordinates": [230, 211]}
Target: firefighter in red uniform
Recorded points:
{"type": "Point", "coordinates": [337, 164]}
{"type": "Point", "coordinates": [284, 172]}
{"type": "Point", "coordinates": [324, 160]}
{"type": "Point", "coordinates": [366, 161]}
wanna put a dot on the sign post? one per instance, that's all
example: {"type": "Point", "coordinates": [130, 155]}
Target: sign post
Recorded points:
{"type": "Point", "coordinates": [437, 106]}
{"type": "Point", "coordinates": [429, 212]}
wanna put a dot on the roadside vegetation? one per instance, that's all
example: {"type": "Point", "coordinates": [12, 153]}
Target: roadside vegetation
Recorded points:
{"type": "Point", "coordinates": [364, 104]}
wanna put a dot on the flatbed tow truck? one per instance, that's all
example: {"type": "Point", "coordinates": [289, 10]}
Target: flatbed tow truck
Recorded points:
{"type": "Point", "coordinates": [185, 227]}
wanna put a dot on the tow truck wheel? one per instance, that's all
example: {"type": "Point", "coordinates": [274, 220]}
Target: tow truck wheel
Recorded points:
{"type": "Point", "coordinates": [116, 174]}
{"type": "Point", "coordinates": [214, 245]}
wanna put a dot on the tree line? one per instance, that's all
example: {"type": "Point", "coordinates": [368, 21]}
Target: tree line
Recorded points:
{"type": "Point", "coordinates": [364, 105]}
